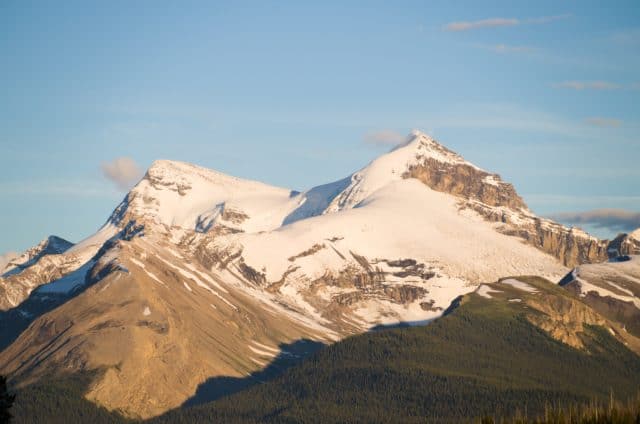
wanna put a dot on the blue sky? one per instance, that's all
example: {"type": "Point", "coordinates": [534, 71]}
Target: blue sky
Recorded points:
{"type": "Point", "coordinates": [545, 93]}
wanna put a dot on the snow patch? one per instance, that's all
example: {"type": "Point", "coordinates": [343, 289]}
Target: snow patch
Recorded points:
{"type": "Point", "coordinates": [486, 291]}
{"type": "Point", "coordinates": [69, 282]}
{"type": "Point", "coordinates": [269, 348]}
{"type": "Point", "coordinates": [586, 287]}
{"type": "Point", "coordinates": [144, 268]}
{"type": "Point", "coordinates": [491, 180]}
{"type": "Point", "coordinates": [259, 362]}
{"type": "Point", "coordinates": [519, 285]}
{"type": "Point", "coordinates": [262, 352]}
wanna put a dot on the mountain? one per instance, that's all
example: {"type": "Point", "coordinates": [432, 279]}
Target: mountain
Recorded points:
{"type": "Point", "coordinates": [612, 288]}
{"type": "Point", "coordinates": [197, 275]}
{"type": "Point", "coordinates": [514, 346]}
{"type": "Point", "coordinates": [52, 245]}
{"type": "Point", "coordinates": [13, 287]}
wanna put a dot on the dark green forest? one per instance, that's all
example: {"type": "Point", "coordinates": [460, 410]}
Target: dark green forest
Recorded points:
{"type": "Point", "coordinates": [485, 359]}
{"type": "Point", "coordinates": [60, 400]}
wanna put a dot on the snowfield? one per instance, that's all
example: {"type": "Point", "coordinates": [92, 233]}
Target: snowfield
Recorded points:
{"type": "Point", "coordinates": [358, 225]}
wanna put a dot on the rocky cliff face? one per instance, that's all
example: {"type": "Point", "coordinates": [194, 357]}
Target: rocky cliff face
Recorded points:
{"type": "Point", "coordinates": [465, 181]}
{"type": "Point", "coordinates": [612, 288]}
{"type": "Point", "coordinates": [52, 245]}
{"type": "Point", "coordinates": [445, 171]}
{"type": "Point", "coordinates": [38, 265]}
{"type": "Point", "coordinates": [561, 314]}
{"type": "Point", "coordinates": [625, 244]}
{"type": "Point", "coordinates": [15, 288]}
{"type": "Point", "coordinates": [571, 246]}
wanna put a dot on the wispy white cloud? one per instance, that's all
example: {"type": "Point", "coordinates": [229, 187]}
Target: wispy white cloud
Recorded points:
{"type": "Point", "coordinates": [596, 85]}
{"type": "Point", "coordinates": [505, 48]}
{"type": "Point", "coordinates": [501, 22]}
{"type": "Point", "coordinates": [483, 23]}
{"type": "Point", "coordinates": [586, 201]}
{"type": "Point", "coordinates": [586, 172]}
{"type": "Point", "coordinates": [588, 85]}
{"type": "Point", "coordinates": [384, 138]}
{"type": "Point", "coordinates": [619, 220]}
{"type": "Point", "coordinates": [599, 121]}
{"type": "Point", "coordinates": [504, 116]}
{"type": "Point", "coordinates": [547, 19]}
{"type": "Point", "coordinates": [626, 37]}
{"type": "Point", "coordinates": [64, 188]}
{"type": "Point", "coordinates": [122, 171]}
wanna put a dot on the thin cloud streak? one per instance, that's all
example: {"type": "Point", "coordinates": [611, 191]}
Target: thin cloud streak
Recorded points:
{"type": "Point", "coordinates": [506, 117]}
{"type": "Point", "coordinates": [505, 48]}
{"type": "Point", "coordinates": [619, 220]}
{"type": "Point", "coordinates": [548, 19]}
{"type": "Point", "coordinates": [568, 199]}
{"type": "Point", "coordinates": [501, 22]}
{"type": "Point", "coordinates": [64, 188]}
{"type": "Point", "coordinates": [604, 122]}
{"type": "Point", "coordinates": [588, 85]}
{"type": "Point", "coordinates": [484, 23]}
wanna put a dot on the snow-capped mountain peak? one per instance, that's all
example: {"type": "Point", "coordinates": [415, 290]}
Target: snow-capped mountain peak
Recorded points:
{"type": "Point", "coordinates": [423, 158]}
{"type": "Point", "coordinates": [179, 194]}
{"type": "Point", "coordinates": [51, 245]}
{"type": "Point", "coordinates": [427, 147]}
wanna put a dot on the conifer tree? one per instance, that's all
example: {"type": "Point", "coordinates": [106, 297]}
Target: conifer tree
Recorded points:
{"type": "Point", "coordinates": [6, 401]}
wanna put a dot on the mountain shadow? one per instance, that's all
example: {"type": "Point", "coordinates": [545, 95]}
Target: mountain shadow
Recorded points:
{"type": "Point", "coordinates": [60, 399]}
{"type": "Point", "coordinates": [219, 387]}
{"type": "Point", "coordinates": [484, 358]}
{"type": "Point", "coordinates": [317, 200]}
{"type": "Point", "coordinates": [15, 320]}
